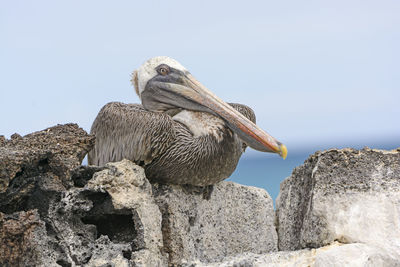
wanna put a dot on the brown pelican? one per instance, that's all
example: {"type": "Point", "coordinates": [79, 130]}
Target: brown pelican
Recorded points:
{"type": "Point", "coordinates": [182, 133]}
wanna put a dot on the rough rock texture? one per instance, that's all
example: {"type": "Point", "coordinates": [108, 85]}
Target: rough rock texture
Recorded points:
{"type": "Point", "coordinates": [357, 255]}
{"type": "Point", "coordinates": [55, 212]}
{"type": "Point", "coordinates": [334, 255]}
{"type": "Point", "coordinates": [39, 163]}
{"type": "Point", "coordinates": [341, 208]}
{"type": "Point", "coordinates": [61, 147]}
{"type": "Point", "coordinates": [232, 219]}
{"type": "Point", "coordinates": [47, 219]}
{"type": "Point", "coordinates": [23, 240]}
{"type": "Point", "coordinates": [348, 195]}
{"type": "Point", "coordinates": [129, 189]}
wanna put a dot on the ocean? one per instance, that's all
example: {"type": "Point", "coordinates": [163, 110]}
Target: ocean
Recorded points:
{"type": "Point", "coordinates": [266, 171]}
{"type": "Point", "coordinates": [269, 170]}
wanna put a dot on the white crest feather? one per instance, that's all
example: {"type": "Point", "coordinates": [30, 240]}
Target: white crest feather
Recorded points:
{"type": "Point", "coordinates": [148, 70]}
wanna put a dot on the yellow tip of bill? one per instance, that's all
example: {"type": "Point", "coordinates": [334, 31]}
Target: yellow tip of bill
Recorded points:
{"type": "Point", "coordinates": [283, 152]}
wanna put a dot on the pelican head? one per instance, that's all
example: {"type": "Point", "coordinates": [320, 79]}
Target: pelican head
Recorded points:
{"type": "Point", "coordinates": [162, 84]}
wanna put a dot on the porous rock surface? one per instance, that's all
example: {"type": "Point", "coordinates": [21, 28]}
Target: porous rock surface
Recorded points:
{"type": "Point", "coordinates": [54, 212]}
{"type": "Point", "coordinates": [340, 208]}
{"type": "Point", "coordinates": [233, 219]}
{"type": "Point", "coordinates": [333, 255]}
{"type": "Point", "coordinates": [346, 195]}
{"type": "Point", "coordinates": [54, 151]}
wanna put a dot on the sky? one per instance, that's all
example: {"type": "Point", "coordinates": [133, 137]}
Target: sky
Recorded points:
{"type": "Point", "coordinates": [317, 73]}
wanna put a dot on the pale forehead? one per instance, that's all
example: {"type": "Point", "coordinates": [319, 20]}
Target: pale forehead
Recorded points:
{"type": "Point", "coordinates": [148, 69]}
{"type": "Point", "coordinates": [151, 64]}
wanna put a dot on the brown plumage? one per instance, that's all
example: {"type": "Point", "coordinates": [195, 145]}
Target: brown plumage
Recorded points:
{"type": "Point", "coordinates": [182, 133]}
{"type": "Point", "coordinates": [167, 149]}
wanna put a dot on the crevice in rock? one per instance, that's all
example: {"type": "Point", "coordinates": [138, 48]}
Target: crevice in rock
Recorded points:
{"type": "Point", "coordinates": [43, 165]}
{"type": "Point", "coordinates": [26, 190]}
{"type": "Point", "coordinates": [127, 254]}
{"type": "Point", "coordinates": [138, 243]}
{"type": "Point", "coordinates": [78, 262]}
{"type": "Point", "coordinates": [18, 174]}
{"type": "Point", "coordinates": [41, 200]}
{"type": "Point", "coordinates": [82, 174]}
{"type": "Point", "coordinates": [17, 194]}
{"type": "Point", "coordinates": [99, 200]}
{"type": "Point", "coordinates": [63, 263]}
{"type": "Point", "coordinates": [118, 227]}
{"type": "Point", "coordinates": [166, 231]}
{"type": "Point", "coordinates": [276, 225]}
{"type": "Point", "coordinates": [192, 220]}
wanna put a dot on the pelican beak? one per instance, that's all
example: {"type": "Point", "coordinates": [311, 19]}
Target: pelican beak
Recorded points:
{"type": "Point", "coordinates": [183, 90]}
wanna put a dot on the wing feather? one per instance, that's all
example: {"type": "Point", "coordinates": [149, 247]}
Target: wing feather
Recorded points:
{"type": "Point", "coordinates": [131, 132]}
{"type": "Point", "coordinates": [245, 110]}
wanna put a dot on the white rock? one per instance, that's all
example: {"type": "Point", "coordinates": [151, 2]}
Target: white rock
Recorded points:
{"type": "Point", "coordinates": [346, 195]}
{"type": "Point", "coordinates": [334, 255]}
{"type": "Point", "coordinates": [356, 255]}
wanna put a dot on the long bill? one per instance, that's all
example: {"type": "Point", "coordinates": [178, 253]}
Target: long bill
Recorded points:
{"type": "Point", "coordinates": [250, 133]}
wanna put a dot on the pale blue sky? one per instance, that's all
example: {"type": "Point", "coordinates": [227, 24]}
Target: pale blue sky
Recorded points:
{"type": "Point", "coordinates": [316, 72]}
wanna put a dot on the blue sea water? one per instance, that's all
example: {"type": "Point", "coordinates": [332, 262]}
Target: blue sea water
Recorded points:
{"type": "Point", "coordinates": [268, 170]}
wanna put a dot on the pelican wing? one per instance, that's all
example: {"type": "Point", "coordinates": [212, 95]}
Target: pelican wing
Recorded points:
{"type": "Point", "coordinates": [245, 110]}
{"type": "Point", "coordinates": [128, 131]}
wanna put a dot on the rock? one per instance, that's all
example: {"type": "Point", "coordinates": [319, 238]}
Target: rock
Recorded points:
{"type": "Point", "coordinates": [348, 195]}
{"type": "Point", "coordinates": [67, 225]}
{"type": "Point", "coordinates": [341, 208]}
{"type": "Point", "coordinates": [2, 140]}
{"type": "Point", "coordinates": [299, 258]}
{"type": "Point", "coordinates": [356, 255]}
{"type": "Point", "coordinates": [129, 189]}
{"type": "Point", "coordinates": [42, 159]}
{"type": "Point", "coordinates": [106, 222]}
{"type": "Point", "coordinates": [61, 147]}
{"type": "Point", "coordinates": [23, 240]}
{"type": "Point", "coordinates": [88, 228]}
{"type": "Point", "coordinates": [112, 215]}
{"type": "Point", "coordinates": [105, 253]}
{"type": "Point", "coordinates": [333, 255]}
{"type": "Point", "coordinates": [235, 219]}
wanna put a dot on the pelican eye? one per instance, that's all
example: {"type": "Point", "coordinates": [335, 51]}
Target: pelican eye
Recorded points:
{"type": "Point", "coordinates": [163, 70]}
